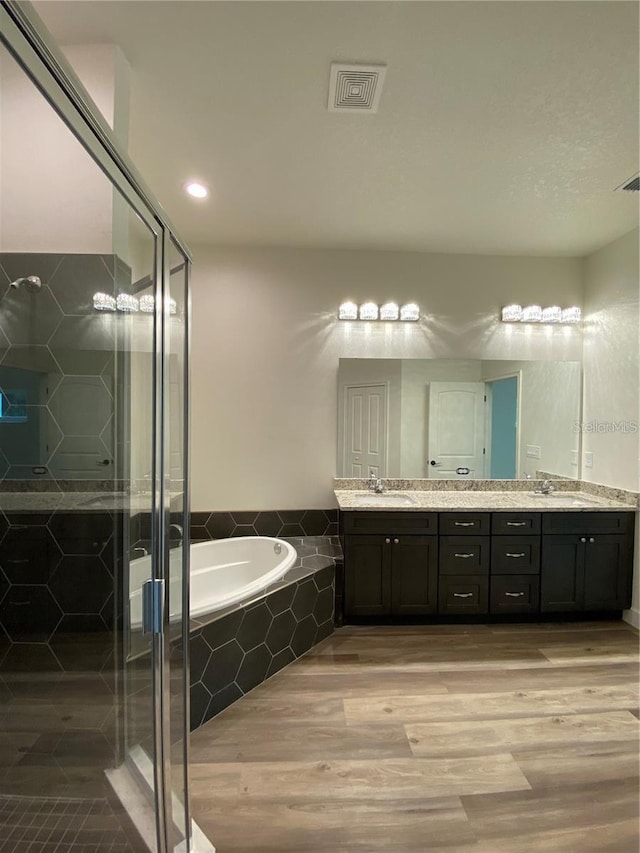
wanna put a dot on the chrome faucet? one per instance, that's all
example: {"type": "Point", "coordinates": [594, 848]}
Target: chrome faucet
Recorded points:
{"type": "Point", "coordinates": [375, 484]}
{"type": "Point", "coordinates": [546, 488]}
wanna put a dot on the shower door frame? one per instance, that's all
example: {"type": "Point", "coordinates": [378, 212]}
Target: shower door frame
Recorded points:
{"type": "Point", "coordinates": [26, 39]}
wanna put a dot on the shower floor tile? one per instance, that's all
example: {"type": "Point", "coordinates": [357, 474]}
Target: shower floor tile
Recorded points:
{"type": "Point", "coordinates": [60, 825]}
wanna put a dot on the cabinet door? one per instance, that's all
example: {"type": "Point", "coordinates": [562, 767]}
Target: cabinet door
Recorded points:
{"type": "Point", "coordinates": [562, 574]}
{"type": "Point", "coordinates": [414, 575]}
{"type": "Point", "coordinates": [607, 573]}
{"type": "Point", "coordinates": [367, 576]}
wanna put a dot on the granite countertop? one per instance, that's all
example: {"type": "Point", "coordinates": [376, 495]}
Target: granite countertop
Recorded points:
{"type": "Point", "coordinates": [493, 501]}
{"type": "Point", "coordinates": [25, 502]}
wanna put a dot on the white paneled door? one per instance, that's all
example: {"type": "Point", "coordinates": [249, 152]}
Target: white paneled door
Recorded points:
{"type": "Point", "coordinates": [455, 439]}
{"type": "Point", "coordinates": [365, 446]}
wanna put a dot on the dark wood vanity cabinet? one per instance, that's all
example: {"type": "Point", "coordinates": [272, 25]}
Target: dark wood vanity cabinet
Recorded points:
{"type": "Point", "coordinates": [394, 572]}
{"type": "Point", "coordinates": [587, 562]}
{"type": "Point", "coordinates": [502, 564]}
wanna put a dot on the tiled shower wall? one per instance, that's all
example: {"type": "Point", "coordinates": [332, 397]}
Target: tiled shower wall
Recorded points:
{"type": "Point", "coordinates": [56, 367]}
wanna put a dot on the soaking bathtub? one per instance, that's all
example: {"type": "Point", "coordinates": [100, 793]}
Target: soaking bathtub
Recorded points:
{"type": "Point", "coordinates": [223, 572]}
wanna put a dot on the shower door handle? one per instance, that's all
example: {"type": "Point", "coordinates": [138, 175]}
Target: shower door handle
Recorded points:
{"type": "Point", "coordinates": [152, 606]}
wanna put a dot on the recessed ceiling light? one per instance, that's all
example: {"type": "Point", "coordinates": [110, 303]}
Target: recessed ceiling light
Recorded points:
{"type": "Point", "coordinates": [193, 188]}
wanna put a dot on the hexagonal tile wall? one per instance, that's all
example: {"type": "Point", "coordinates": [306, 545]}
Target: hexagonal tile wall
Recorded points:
{"type": "Point", "coordinates": [268, 635]}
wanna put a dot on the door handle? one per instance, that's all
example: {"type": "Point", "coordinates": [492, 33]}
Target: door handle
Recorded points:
{"type": "Point", "coordinates": [387, 541]}
{"type": "Point", "coordinates": [396, 541]}
{"type": "Point", "coordinates": [433, 462]}
{"type": "Point", "coordinates": [583, 538]}
{"type": "Point", "coordinates": [103, 462]}
{"type": "Point", "coordinates": [591, 539]}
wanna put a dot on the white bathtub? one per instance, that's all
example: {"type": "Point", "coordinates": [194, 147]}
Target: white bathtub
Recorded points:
{"type": "Point", "coordinates": [223, 572]}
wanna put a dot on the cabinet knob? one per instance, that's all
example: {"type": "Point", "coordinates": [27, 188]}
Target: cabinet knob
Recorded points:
{"type": "Point", "coordinates": [387, 541]}
{"type": "Point", "coordinates": [591, 539]}
{"type": "Point", "coordinates": [396, 541]}
{"type": "Point", "coordinates": [583, 538]}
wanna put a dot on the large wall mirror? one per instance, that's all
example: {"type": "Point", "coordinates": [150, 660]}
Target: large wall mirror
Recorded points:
{"type": "Point", "coordinates": [458, 418]}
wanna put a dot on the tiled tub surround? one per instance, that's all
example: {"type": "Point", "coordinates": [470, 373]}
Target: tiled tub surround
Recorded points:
{"type": "Point", "coordinates": [281, 523]}
{"type": "Point", "coordinates": [239, 647]}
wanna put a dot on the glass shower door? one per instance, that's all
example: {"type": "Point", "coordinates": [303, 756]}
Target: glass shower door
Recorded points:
{"type": "Point", "coordinates": [92, 474]}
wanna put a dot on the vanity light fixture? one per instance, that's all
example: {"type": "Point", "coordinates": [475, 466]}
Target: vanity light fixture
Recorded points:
{"type": "Point", "coordinates": [348, 311]}
{"type": "Point", "coordinates": [147, 304]}
{"type": "Point", "coordinates": [127, 303]}
{"type": "Point", "coordinates": [368, 311]}
{"type": "Point", "coordinates": [389, 312]}
{"type": "Point", "coordinates": [571, 315]}
{"type": "Point", "coordinates": [104, 302]}
{"type": "Point", "coordinates": [536, 314]}
{"type": "Point", "coordinates": [512, 314]}
{"type": "Point", "coordinates": [532, 314]}
{"type": "Point", "coordinates": [552, 314]}
{"type": "Point", "coordinates": [410, 312]}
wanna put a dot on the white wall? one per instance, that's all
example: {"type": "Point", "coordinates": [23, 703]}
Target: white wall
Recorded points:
{"type": "Point", "coordinates": [266, 345]}
{"type": "Point", "coordinates": [612, 372]}
{"type": "Point", "coordinates": [54, 197]}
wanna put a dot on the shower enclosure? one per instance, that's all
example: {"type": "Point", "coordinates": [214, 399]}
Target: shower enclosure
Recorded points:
{"type": "Point", "coordinates": [94, 328]}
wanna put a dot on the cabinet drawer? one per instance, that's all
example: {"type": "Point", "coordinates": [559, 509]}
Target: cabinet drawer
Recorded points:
{"type": "Point", "coordinates": [464, 594]}
{"type": "Point", "coordinates": [390, 522]}
{"type": "Point", "coordinates": [515, 555]}
{"type": "Point", "coordinates": [464, 555]}
{"type": "Point", "coordinates": [508, 523]}
{"type": "Point", "coordinates": [465, 523]}
{"type": "Point", "coordinates": [588, 523]}
{"type": "Point", "coordinates": [515, 594]}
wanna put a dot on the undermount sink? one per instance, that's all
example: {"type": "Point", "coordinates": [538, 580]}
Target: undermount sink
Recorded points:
{"type": "Point", "coordinates": [384, 499]}
{"type": "Point", "coordinates": [567, 499]}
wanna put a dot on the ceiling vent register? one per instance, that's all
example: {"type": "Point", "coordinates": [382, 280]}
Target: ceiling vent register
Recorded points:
{"type": "Point", "coordinates": [355, 88]}
{"type": "Point", "coordinates": [632, 185]}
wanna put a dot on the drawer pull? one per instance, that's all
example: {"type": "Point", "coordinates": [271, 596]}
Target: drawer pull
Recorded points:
{"type": "Point", "coordinates": [514, 594]}
{"type": "Point", "coordinates": [511, 554]}
{"type": "Point", "coordinates": [463, 595]}
{"type": "Point", "coordinates": [464, 524]}
{"type": "Point", "coordinates": [464, 556]}
{"type": "Point", "coordinates": [516, 523]}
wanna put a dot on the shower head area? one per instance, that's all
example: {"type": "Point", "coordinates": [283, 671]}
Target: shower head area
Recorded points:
{"type": "Point", "coordinates": [30, 283]}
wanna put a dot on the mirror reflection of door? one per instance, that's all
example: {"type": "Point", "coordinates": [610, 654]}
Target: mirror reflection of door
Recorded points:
{"type": "Point", "coordinates": [456, 431]}
{"type": "Point", "coordinates": [502, 399]}
{"type": "Point", "coordinates": [365, 447]}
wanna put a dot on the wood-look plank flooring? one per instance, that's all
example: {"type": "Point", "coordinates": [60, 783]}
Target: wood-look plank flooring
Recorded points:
{"type": "Point", "coordinates": [483, 738]}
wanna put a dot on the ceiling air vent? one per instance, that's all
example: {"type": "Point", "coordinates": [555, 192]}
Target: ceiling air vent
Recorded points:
{"type": "Point", "coordinates": [631, 186]}
{"type": "Point", "coordinates": [355, 88]}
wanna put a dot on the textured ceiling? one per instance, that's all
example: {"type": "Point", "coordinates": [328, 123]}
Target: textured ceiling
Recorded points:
{"type": "Point", "coordinates": [503, 126]}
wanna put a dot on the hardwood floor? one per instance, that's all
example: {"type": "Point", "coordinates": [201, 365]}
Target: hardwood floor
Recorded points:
{"type": "Point", "coordinates": [481, 738]}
